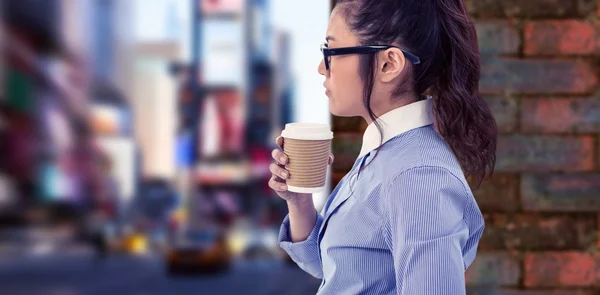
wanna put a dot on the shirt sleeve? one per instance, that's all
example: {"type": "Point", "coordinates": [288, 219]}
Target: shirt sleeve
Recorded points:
{"type": "Point", "coordinates": [304, 253]}
{"type": "Point", "coordinates": [426, 231]}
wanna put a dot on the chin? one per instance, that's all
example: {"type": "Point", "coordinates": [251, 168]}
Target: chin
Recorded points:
{"type": "Point", "coordinates": [340, 112]}
{"type": "Point", "coordinates": [332, 109]}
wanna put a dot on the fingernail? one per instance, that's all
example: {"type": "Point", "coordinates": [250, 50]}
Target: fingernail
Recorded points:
{"type": "Point", "coordinates": [283, 187]}
{"type": "Point", "coordinates": [282, 159]}
{"type": "Point", "coordinates": [285, 174]}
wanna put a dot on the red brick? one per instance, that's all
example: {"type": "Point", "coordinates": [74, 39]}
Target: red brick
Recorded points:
{"type": "Point", "coordinates": [349, 124]}
{"type": "Point", "coordinates": [498, 194]}
{"type": "Point", "coordinates": [498, 37]}
{"type": "Point", "coordinates": [494, 269]}
{"type": "Point", "coordinates": [345, 148]}
{"type": "Point", "coordinates": [494, 291]}
{"type": "Point", "coordinates": [505, 111]}
{"type": "Point", "coordinates": [539, 232]}
{"type": "Point", "coordinates": [598, 236]}
{"type": "Point", "coordinates": [530, 8]}
{"type": "Point", "coordinates": [557, 76]}
{"type": "Point", "coordinates": [559, 269]}
{"type": "Point", "coordinates": [560, 192]}
{"type": "Point", "coordinates": [561, 115]}
{"type": "Point", "coordinates": [566, 37]}
{"type": "Point", "coordinates": [544, 153]}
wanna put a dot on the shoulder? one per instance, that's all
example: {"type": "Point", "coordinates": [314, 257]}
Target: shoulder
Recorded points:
{"type": "Point", "coordinates": [426, 182]}
{"type": "Point", "coordinates": [417, 151]}
{"type": "Point", "coordinates": [417, 168]}
{"type": "Point", "coordinates": [425, 202]}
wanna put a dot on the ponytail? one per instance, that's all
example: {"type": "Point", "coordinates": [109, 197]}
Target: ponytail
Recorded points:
{"type": "Point", "coordinates": [462, 116]}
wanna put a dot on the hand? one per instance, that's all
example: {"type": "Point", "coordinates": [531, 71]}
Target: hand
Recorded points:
{"type": "Point", "coordinates": [280, 175]}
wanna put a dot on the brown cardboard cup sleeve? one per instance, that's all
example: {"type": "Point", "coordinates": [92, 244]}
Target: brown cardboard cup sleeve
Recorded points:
{"type": "Point", "coordinates": [307, 146]}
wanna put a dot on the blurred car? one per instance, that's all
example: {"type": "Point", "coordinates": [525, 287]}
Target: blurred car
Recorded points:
{"type": "Point", "coordinates": [156, 199]}
{"type": "Point", "coordinates": [151, 210]}
{"type": "Point", "coordinates": [200, 251]}
{"type": "Point", "coordinates": [135, 243]}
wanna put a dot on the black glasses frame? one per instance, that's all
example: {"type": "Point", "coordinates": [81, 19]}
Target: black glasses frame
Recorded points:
{"type": "Point", "coordinates": [327, 52]}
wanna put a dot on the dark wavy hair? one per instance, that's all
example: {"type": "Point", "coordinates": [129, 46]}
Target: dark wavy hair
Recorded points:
{"type": "Point", "coordinates": [443, 35]}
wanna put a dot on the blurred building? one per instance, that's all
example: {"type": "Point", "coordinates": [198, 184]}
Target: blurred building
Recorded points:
{"type": "Point", "coordinates": [283, 83]}
{"type": "Point", "coordinates": [111, 120]}
{"type": "Point", "coordinates": [154, 102]}
{"type": "Point", "coordinates": [95, 78]}
{"type": "Point", "coordinates": [62, 88]}
{"type": "Point", "coordinates": [32, 52]}
{"type": "Point", "coordinates": [99, 35]}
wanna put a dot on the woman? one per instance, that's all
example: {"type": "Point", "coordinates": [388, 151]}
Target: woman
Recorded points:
{"type": "Point", "coordinates": [403, 220]}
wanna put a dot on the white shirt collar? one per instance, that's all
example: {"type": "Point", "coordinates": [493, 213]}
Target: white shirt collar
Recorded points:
{"type": "Point", "coordinates": [398, 121]}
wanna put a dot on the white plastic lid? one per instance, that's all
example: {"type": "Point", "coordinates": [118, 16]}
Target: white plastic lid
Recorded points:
{"type": "Point", "coordinates": [307, 131]}
{"type": "Point", "coordinates": [305, 190]}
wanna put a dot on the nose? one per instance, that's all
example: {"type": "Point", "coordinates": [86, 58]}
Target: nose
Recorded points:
{"type": "Point", "coordinates": [321, 69]}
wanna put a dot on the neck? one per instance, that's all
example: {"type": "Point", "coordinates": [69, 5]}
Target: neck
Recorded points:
{"type": "Point", "coordinates": [390, 104]}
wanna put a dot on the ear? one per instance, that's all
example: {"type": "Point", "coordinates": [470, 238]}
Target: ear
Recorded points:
{"type": "Point", "coordinates": [391, 64]}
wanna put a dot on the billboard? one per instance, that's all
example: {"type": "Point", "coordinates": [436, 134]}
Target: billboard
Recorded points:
{"type": "Point", "coordinates": [121, 151]}
{"type": "Point", "coordinates": [55, 184]}
{"type": "Point", "coordinates": [2, 56]}
{"type": "Point", "coordinates": [56, 127]}
{"type": "Point", "coordinates": [184, 150]}
{"type": "Point", "coordinates": [231, 109]}
{"type": "Point", "coordinates": [223, 53]}
{"type": "Point", "coordinates": [222, 6]}
{"type": "Point", "coordinates": [222, 127]}
{"type": "Point", "coordinates": [110, 120]}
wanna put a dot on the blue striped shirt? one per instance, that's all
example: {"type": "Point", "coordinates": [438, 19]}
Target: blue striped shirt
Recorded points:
{"type": "Point", "coordinates": [407, 224]}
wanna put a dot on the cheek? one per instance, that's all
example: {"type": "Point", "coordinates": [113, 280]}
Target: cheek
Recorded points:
{"type": "Point", "coordinates": [346, 89]}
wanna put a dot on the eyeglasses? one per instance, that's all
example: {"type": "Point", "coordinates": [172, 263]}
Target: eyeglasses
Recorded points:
{"type": "Point", "coordinates": [328, 52]}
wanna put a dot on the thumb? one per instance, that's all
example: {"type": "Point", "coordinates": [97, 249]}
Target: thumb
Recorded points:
{"type": "Point", "coordinates": [330, 160]}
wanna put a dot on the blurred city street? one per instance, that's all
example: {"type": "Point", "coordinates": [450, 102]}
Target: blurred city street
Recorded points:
{"type": "Point", "coordinates": [135, 141]}
{"type": "Point", "coordinates": [77, 272]}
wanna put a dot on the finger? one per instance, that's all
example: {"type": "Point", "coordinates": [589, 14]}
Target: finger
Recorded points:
{"type": "Point", "coordinates": [277, 170]}
{"type": "Point", "coordinates": [279, 156]}
{"type": "Point", "coordinates": [330, 159]}
{"type": "Point", "coordinates": [277, 178]}
{"type": "Point", "coordinates": [277, 186]}
{"type": "Point", "coordinates": [279, 141]}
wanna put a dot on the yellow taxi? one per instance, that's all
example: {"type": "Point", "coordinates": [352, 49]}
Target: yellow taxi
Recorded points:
{"type": "Point", "coordinates": [201, 251]}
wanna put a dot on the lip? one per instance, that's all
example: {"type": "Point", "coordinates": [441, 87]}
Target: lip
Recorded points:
{"type": "Point", "coordinates": [327, 91]}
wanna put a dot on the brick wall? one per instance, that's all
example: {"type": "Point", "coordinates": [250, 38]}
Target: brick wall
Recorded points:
{"type": "Point", "coordinates": [540, 68]}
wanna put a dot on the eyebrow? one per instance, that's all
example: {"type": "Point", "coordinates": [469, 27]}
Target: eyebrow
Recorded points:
{"type": "Point", "coordinates": [329, 38]}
